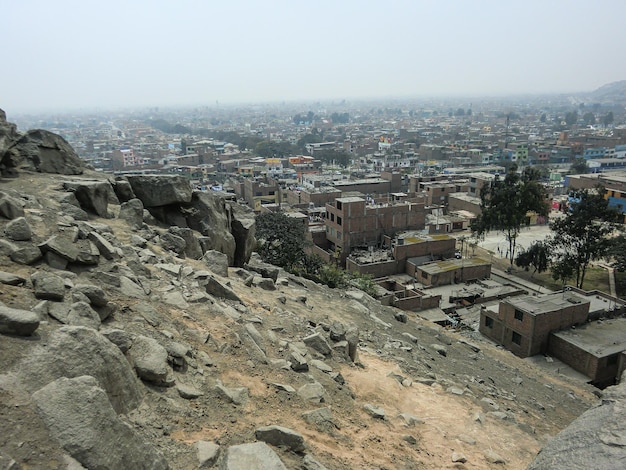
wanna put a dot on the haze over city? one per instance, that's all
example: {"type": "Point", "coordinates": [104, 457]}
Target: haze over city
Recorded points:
{"type": "Point", "coordinates": [76, 55]}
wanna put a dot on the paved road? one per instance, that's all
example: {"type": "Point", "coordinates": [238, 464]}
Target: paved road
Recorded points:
{"type": "Point", "coordinates": [496, 243]}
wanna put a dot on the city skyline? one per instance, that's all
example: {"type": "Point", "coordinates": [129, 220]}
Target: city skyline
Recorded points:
{"type": "Point", "coordinates": [75, 55]}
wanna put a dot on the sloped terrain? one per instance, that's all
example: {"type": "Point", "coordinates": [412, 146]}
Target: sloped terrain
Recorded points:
{"type": "Point", "coordinates": [219, 357]}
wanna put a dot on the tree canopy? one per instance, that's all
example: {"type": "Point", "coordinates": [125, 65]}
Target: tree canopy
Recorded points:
{"type": "Point", "coordinates": [281, 239]}
{"type": "Point", "coordinates": [506, 203]}
{"type": "Point", "coordinates": [582, 235]}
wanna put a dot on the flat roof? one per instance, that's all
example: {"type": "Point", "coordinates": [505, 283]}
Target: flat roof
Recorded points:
{"type": "Point", "coordinates": [452, 264]}
{"type": "Point", "coordinates": [600, 338]}
{"type": "Point", "coordinates": [345, 200]}
{"type": "Point", "coordinates": [536, 305]}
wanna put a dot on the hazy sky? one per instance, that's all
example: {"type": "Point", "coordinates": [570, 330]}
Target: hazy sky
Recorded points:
{"type": "Point", "coordinates": [111, 53]}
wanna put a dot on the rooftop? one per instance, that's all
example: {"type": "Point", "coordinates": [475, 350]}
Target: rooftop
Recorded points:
{"type": "Point", "coordinates": [601, 338]}
{"type": "Point", "coordinates": [546, 303]}
{"type": "Point", "coordinates": [452, 264]}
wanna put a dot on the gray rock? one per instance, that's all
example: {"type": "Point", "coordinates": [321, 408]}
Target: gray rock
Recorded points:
{"type": "Point", "coordinates": [130, 288]}
{"type": "Point", "coordinates": [74, 212]}
{"type": "Point", "coordinates": [149, 359]}
{"type": "Point", "coordinates": [95, 294]}
{"type": "Point", "coordinates": [263, 283]}
{"type": "Point", "coordinates": [29, 254]}
{"type": "Point", "coordinates": [55, 261]}
{"type": "Point", "coordinates": [72, 351]}
{"type": "Point", "coordinates": [321, 365]}
{"type": "Point", "coordinates": [321, 418]}
{"type": "Point", "coordinates": [337, 331]}
{"type": "Point", "coordinates": [352, 337]}
{"type": "Point", "coordinates": [43, 152]}
{"type": "Point", "coordinates": [455, 390]}
{"type": "Point", "coordinates": [81, 314]}
{"type": "Point", "coordinates": [123, 190]}
{"type": "Point", "coordinates": [93, 196]}
{"type": "Point", "coordinates": [317, 342]}
{"type": "Point", "coordinates": [280, 436]}
{"type": "Point", "coordinates": [492, 457]}
{"type": "Point", "coordinates": [88, 253]}
{"type": "Point", "coordinates": [255, 456]}
{"type": "Point", "coordinates": [60, 246]}
{"type": "Point", "coordinates": [217, 289]}
{"type": "Point", "coordinates": [309, 463]}
{"type": "Point", "coordinates": [174, 243]}
{"type": "Point", "coordinates": [188, 392]}
{"type": "Point", "coordinates": [207, 453]}
{"type": "Point", "coordinates": [458, 457]}
{"type": "Point", "coordinates": [132, 212]}
{"type": "Point", "coordinates": [119, 338]}
{"type": "Point", "coordinates": [11, 279]}
{"type": "Point", "coordinates": [175, 299]}
{"type": "Point", "coordinates": [193, 249]}
{"type": "Point", "coordinates": [256, 336]}
{"type": "Point", "coordinates": [374, 411]}
{"type": "Point", "coordinates": [236, 395]}
{"type": "Point", "coordinates": [18, 322]}
{"type": "Point", "coordinates": [161, 190]}
{"type": "Point", "coordinates": [79, 416]}
{"type": "Point", "coordinates": [209, 215]}
{"type": "Point", "coordinates": [243, 228]}
{"type": "Point", "coordinates": [18, 230]}
{"type": "Point", "coordinates": [440, 348]}
{"type": "Point", "coordinates": [105, 248]}
{"type": "Point", "coordinates": [313, 392]}
{"type": "Point", "coordinates": [596, 439]}
{"type": "Point", "coordinates": [10, 208]}
{"type": "Point", "coordinates": [48, 286]}
{"type": "Point", "coordinates": [298, 362]}
{"type": "Point", "coordinates": [410, 420]}
{"type": "Point", "coordinates": [283, 387]}
{"type": "Point", "coordinates": [217, 262]}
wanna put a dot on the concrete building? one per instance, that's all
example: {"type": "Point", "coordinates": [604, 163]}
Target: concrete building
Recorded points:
{"type": "Point", "coordinates": [523, 324]}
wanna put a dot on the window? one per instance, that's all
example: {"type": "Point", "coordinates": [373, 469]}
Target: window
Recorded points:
{"type": "Point", "coordinates": [489, 322]}
{"type": "Point", "coordinates": [332, 217]}
{"type": "Point", "coordinates": [519, 315]}
{"type": "Point", "coordinates": [338, 235]}
{"type": "Point", "coordinates": [339, 205]}
{"type": "Point", "coordinates": [338, 220]}
{"type": "Point", "coordinates": [516, 338]}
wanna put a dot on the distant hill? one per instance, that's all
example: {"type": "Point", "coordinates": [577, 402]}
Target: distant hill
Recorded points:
{"type": "Point", "coordinates": [614, 92]}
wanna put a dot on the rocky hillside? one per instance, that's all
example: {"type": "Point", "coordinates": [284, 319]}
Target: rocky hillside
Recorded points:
{"type": "Point", "coordinates": [139, 330]}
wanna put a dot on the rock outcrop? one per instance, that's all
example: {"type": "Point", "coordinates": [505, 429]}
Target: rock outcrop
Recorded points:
{"type": "Point", "coordinates": [35, 150]}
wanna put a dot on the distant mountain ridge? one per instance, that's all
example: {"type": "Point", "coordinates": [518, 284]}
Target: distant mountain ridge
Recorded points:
{"type": "Point", "coordinates": [614, 92]}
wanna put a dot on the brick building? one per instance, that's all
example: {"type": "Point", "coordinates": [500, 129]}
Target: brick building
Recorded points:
{"type": "Point", "coordinates": [523, 324]}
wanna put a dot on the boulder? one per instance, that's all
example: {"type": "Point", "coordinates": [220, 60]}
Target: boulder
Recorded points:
{"type": "Point", "coordinates": [208, 214]}
{"type": "Point", "coordinates": [132, 212]}
{"type": "Point", "coordinates": [280, 436]}
{"type": "Point", "coordinates": [207, 453]}
{"type": "Point", "coordinates": [160, 190]}
{"type": "Point", "coordinates": [217, 289]}
{"type": "Point", "coordinates": [313, 392]}
{"type": "Point", "coordinates": [317, 342]}
{"type": "Point", "coordinates": [95, 294]}
{"type": "Point", "coordinates": [243, 228]}
{"type": "Point", "coordinates": [18, 230]}
{"type": "Point", "coordinates": [28, 254]}
{"type": "Point", "coordinates": [80, 417]}
{"type": "Point", "coordinates": [174, 243]}
{"type": "Point", "coordinates": [93, 196]}
{"type": "Point", "coordinates": [81, 314]}
{"type": "Point", "coordinates": [10, 208]}
{"type": "Point", "coordinates": [192, 248]}
{"type": "Point", "coordinates": [18, 322]}
{"type": "Point", "coordinates": [596, 439]}
{"type": "Point", "coordinates": [123, 190]}
{"type": "Point", "coordinates": [257, 455]}
{"type": "Point", "coordinates": [217, 262]}
{"type": "Point", "coordinates": [44, 152]}
{"type": "Point", "coordinates": [48, 286]}
{"type": "Point", "coordinates": [72, 351]}
{"type": "Point", "coordinates": [11, 279]}
{"type": "Point", "coordinates": [150, 359]}
{"type": "Point", "coordinates": [105, 248]}
{"type": "Point", "coordinates": [236, 395]}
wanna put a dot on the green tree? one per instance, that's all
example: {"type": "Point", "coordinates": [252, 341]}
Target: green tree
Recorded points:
{"type": "Point", "coordinates": [537, 256]}
{"type": "Point", "coordinates": [607, 119]}
{"type": "Point", "coordinates": [578, 167]}
{"type": "Point", "coordinates": [571, 118]}
{"type": "Point", "coordinates": [542, 118]}
{"type": "Point", "coordinates": [340, 118]}
{"type": "Point", "coordinates": [582, 235]}
{"type": "Point", "coordinates": [280, 239]}
{"type": "Point", "coordinates": [589, 118]}
{"type": "Point", "coordinates": [506, 202]}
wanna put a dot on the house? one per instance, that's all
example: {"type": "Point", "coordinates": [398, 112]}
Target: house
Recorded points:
{"type": "Point", "coordinates": [523, 324]}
